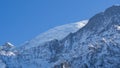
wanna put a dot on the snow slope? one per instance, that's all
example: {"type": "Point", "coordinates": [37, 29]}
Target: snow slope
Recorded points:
{"type": "Point", "coordinates": [58, 32]}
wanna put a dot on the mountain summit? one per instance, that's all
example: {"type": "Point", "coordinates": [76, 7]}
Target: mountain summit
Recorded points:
{"type": "Point", "coordinates": [96, 45]}
{"type": "Point", "coordinates": [7, 46]}
{"type": "Point", "coordinates": [106, 19]}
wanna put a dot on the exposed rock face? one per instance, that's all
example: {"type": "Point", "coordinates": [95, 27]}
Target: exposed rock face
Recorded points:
{"type": "Point", "coordinates": [97, 45]}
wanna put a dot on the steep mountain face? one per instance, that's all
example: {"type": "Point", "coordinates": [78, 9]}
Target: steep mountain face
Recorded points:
{"type": "Point", "coordinates": [96, 45]}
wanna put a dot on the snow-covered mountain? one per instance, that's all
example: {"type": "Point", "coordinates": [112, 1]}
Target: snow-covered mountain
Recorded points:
{"type": "Point", "coordinates": [96, 45]}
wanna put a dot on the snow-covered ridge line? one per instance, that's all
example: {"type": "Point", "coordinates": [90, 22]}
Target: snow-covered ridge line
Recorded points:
{"type": "Point", "coordinates": [58, 33]}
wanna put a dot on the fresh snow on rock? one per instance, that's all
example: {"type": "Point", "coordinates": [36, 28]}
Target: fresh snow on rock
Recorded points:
{"type": "Point", "coordinates": [6, 49]}
{"type": "Point", "coordinates": [9, 53]}
{"type": "Point", "coordinates": [117, 27]}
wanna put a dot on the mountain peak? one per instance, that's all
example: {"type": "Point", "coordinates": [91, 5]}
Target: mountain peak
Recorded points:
{"type": "Point", "coordinates": [7, 49]}
{"type": "Point", "coordinates": [103, 20]}
{"type": "Point", "coordinates": [8, 44]}
{"type": "Point", "coordinates": [115, 9]}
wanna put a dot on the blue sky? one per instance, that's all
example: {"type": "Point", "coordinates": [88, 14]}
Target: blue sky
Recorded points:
{"type": "Point", "coordinates": [22, 20]}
